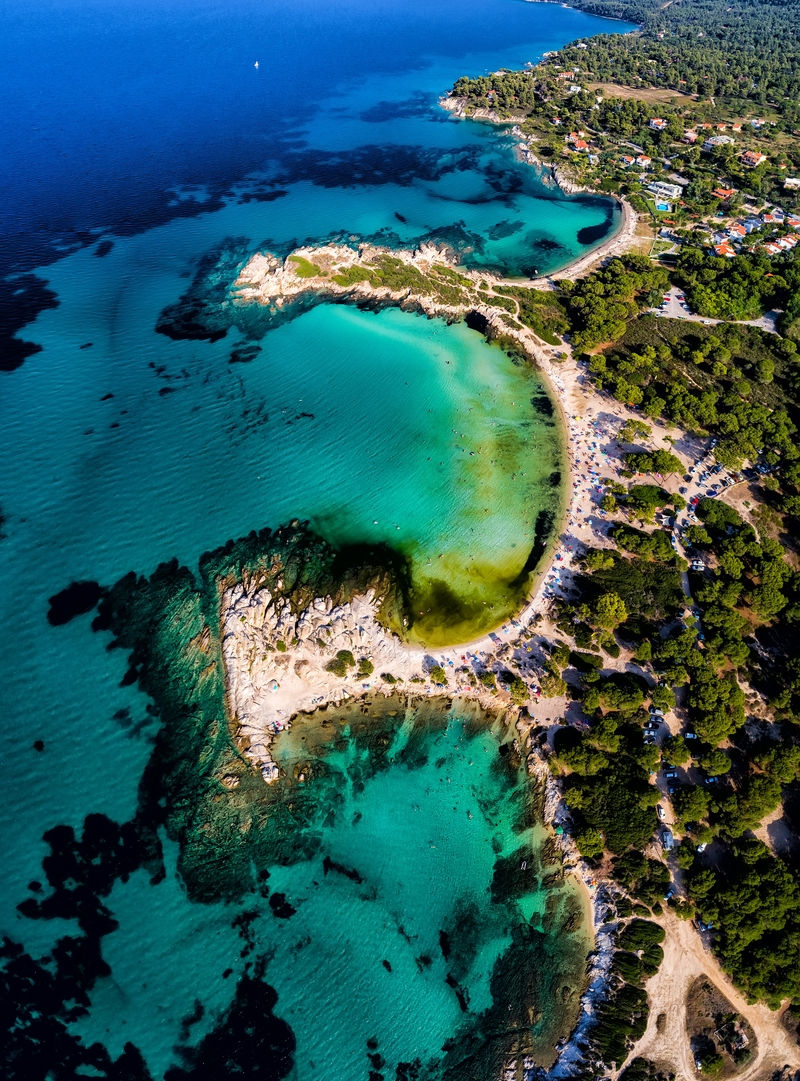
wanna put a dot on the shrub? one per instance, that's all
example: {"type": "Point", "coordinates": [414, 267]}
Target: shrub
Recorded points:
{"type": "Point", "coordinates": [518, 689]}
{"type": "Point", "coordinates": [340, 664]}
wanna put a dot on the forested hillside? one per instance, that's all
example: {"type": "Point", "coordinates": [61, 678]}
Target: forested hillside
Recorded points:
{"type": "Point", "coordinates": [748, 50]}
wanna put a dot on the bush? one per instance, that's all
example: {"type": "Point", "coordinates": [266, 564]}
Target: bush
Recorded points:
{"type": "Point", "coordinates": [303, 268]}
{"type": "Point", "coordinates": [438, 674]}
{"type": "Point", "coordinates": [340, 664]}
{"type": "Point", "coordinates": [639, 934]}
{"type": "Point", "coordinates": [590, 843]}
{"type": "Point", "coordinates": [585, 662]}
{"type": "Point", "coordinates": [518, 689]}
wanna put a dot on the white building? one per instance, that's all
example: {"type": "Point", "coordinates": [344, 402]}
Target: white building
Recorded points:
{"type": "Point", "coordinates": [666, 191]}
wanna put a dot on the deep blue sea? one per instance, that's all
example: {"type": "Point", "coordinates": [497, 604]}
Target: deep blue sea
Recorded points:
{"type": "Point", "coordinates": [135, 139]}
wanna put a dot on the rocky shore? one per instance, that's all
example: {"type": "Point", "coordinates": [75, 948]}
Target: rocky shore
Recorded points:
{"type": "Point", "coordinates": [458, 107]}
{"type": "Point", "coordinates": [348, 273]}
{"type": "Point", "coordinates": [427, 280]}
{"type": "Point", "coordinates": [559, 175]}
{"type": "Point", "coordinates": [280, 661]}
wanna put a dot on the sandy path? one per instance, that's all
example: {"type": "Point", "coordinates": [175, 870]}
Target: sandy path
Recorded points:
{"type": "Point", "coordinates": [686, 958]}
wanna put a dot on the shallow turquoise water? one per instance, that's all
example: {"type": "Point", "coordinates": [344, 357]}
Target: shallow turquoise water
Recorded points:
{"type": "Point", "coordinates": [415, 812]}
{"type": "Point", "coordinates": [381, 427]}
{"type": "Point", "coordinates": [145, 128]}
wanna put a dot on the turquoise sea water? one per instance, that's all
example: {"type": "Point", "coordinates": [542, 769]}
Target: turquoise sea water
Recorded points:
{"type": "Point", "coordinates": [136, 139]}
{"type": "Point", "coordinates": [411, 916]}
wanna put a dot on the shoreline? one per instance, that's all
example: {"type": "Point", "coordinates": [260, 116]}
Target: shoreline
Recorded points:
{"type": "Point", "coordinates": [264, 696]}
{"type": "Point", "coordinates": [613, 244]}
{"type": "Point", "coordinates": [341, 274]}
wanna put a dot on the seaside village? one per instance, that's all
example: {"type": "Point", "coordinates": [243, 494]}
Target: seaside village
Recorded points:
{"type": "Point", "coordinates": [692, 168]}
{"type": "Point", "coordinates": [740, 219]}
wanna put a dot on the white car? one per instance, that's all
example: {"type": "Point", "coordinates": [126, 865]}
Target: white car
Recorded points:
{"type": "Point", "coordinates": [662, 814]}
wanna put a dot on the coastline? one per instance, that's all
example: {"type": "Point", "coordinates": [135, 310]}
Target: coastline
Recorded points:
{"type": "Point", "coordinates": [263, 696]}
{"type": "Point", "coordinates": [615, 243]}
{"type": "Point", "coordinates": [342, 274]}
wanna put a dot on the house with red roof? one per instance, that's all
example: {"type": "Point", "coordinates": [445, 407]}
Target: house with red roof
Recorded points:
{"type": "Point", "coordinates": [752, 159]}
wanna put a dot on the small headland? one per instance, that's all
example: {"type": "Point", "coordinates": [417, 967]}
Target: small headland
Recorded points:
{"type": "Point", "coordinates": [267, 619]}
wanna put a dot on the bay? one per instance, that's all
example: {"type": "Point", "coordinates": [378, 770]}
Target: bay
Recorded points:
{"type": "Point", "coordinates": [136, 138]}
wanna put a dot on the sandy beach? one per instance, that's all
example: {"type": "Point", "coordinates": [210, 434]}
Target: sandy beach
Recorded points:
{"type": "Point", "coordinates": [277, 660]}
{"type": "Point", "coordinates": [617, 244]}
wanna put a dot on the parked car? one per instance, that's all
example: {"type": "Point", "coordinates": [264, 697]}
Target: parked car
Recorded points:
{"type": "Point", "coordinates": [662, 814]}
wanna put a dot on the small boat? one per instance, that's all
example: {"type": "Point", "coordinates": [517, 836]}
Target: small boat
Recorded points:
{"type": "Point", "coordinates": [256, 65]}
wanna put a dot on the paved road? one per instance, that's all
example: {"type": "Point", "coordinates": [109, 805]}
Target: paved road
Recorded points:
{"type": "Point", "coordinates": [674, 307]}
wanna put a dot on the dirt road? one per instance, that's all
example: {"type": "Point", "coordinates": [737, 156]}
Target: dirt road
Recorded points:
{"type": "Point", "coordinates": [666, 1039]}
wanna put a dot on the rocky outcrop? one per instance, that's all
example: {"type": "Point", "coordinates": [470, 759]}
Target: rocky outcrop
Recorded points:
{"type": "Point", "coordinates": [276, 659]}
{"type": "Point", "coordinates": [424, 276]}
{"type": "Point", "coordinates": [566, 183]}
{"type": "Point", "coordinates": [459, 108]}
